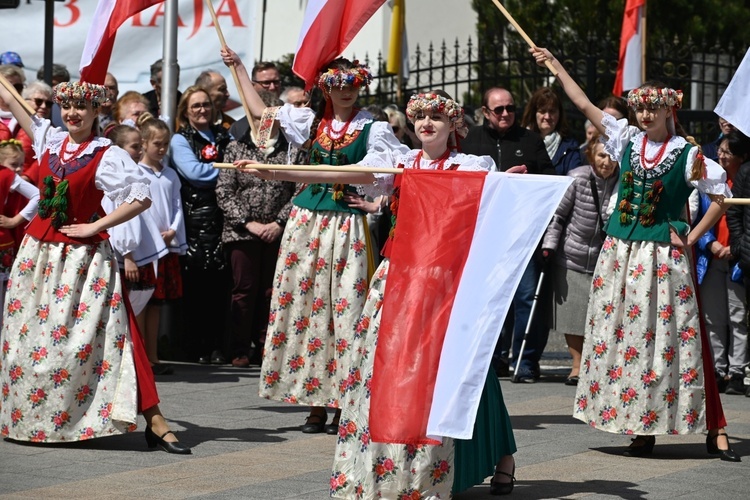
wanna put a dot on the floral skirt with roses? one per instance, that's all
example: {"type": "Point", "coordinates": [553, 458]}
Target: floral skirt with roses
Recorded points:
{"type": "Point", "coordinates": [642, 368]}
{"type": "Point", "coordinates": [319, 290]}
{"type": "Point", "coordinates": [366, 470]}
{"type": "Point", "coordinates": [67, 371]}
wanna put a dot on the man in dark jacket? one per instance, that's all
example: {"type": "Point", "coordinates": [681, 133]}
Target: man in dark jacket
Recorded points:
{"type": "Point", "coordinates": [515, 150]}
{"type": "Point", "coordinates": [502, 138]}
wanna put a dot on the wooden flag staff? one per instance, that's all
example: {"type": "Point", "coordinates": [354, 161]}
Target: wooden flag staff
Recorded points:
{"type": "Point", "coordinates": [5, 83]}
{"type": "Point", "coordinates": [319, 168]}
{"type": "Point", "coordinates": [522, 33]}
{"type": "Point", "coordinates": [233, 70]}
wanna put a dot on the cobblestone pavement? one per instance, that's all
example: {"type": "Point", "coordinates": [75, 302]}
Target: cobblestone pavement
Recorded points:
{"type": "Point", "coordinates": [249, 448]}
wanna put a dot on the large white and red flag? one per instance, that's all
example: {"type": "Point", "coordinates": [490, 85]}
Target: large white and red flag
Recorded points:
{"type": "Point", "coordinates": [327, 29]}
{"type": "Point", "coordinates": [462, 243]}
{"type": "Point", "coordinates": [630, 66]}
{"type": "Point", "coordinates": [108, 17]}
{"type": "Point", "coordinates": [734, 105]}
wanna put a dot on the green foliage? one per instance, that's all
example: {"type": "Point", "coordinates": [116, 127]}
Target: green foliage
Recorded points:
{"type": "Point", "coordinates": [288, 78]}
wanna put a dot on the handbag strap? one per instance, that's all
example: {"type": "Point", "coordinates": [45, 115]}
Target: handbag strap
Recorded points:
{"type": "Point", "coordinates": [595, 194]}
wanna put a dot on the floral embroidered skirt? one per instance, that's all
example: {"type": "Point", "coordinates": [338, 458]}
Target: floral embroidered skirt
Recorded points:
{"type": "Point", "coordinates": [319, 291]}
{"type": "Point", "coordinates": [67, 361]}
{"type": "Point", "coordinates": [366, 470]}
{"type": "Point", "coordinates": [642, 368]}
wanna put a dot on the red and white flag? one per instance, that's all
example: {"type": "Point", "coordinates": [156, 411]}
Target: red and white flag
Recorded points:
{"type": "Point", "coordinates": [734, 105]}
{"type": "Point", "coordinates": [108, 17]}
{"type": "Point", "coordinates": [462, 243]}
{"type": "Point", "coordinates": [327, 29]}
{"type": "Point", "coordinates": [630, 66]}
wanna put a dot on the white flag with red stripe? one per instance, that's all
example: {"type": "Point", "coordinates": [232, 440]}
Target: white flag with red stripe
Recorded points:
{"type": "Point", "coordinates": [630, 66]}
{"type": "Point", "coordinates": [462, 243]}
{"type": "Point", "coordinates": [327, 29]}
{"type": "Point", "coordinates": [734, 105]}
{"type": "Point", "coordinates": [108, 17]}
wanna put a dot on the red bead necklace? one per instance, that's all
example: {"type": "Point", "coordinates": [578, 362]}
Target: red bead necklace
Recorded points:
{"type": "Point", "coordinates": [440, 161]}
{"type": "Point", "coordinates": [336, 135]}
{"type": "Point", "coordinates": [649, 164]}
{"type": "Point", "coordinates": [66, 156]}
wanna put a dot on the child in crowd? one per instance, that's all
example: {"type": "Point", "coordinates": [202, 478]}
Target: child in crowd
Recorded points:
{"type": "Point", "coordinates": [138, 245]}
{"type": "Point", "coordinates": [12, 185]}
{"type": "Point", "coordinates": [166, 211]}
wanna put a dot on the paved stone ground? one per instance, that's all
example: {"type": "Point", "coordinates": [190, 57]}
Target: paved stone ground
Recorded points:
{"type": "Point", "coordinates": [249, 448]}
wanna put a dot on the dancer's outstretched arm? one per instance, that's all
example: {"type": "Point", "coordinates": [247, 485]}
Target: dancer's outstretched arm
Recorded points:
{"type": "Point", "coordinates": [19, 111]}
{"type": "Point", "coordinates": [254, 102]}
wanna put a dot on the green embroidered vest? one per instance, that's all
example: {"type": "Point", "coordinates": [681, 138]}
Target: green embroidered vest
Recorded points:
{"type": "Point", "coordinates": [325, 152]}
{"type": "Point", "coordinates": [649, 201]}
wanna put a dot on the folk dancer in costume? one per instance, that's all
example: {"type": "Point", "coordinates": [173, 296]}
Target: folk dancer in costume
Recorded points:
{"type": "Point", "coordinates": [71, 353]}
{"type": "Point", "coordinates": [647, 367]}
{"type": "Point", "coordinates": [362, 468]}
{"type": "Point", "coordinates": [322, 273]}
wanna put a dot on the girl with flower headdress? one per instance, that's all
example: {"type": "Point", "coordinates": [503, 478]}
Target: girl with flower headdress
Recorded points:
{"type": "Point", "coordinates": [324, 263]}
{"type": "Point", "coordinates": [647, 368]}
{"type": "Point", "coordinates": [365, 469]}
{"type": "Point", "coordinates": [71, 352]}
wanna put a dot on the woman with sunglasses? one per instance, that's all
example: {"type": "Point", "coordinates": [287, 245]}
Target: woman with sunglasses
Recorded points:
{"type": "Point", "coordinates": [73, 365]}
{"type": "Point", "coordinates": [194, 148]}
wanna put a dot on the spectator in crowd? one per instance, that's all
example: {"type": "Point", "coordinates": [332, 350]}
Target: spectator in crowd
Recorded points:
{"type": "Point", "coordinates": [196, 145]}
{"type": "Point", "coordinates": [11, 58]}
{"type": "Point", "coordinates": [296, 96]}
{"type": "Point", "coordinates": [725, 298]}
{"type": "Point", "coordinates": [255, 214]}
{"type": "Point", "coordinates": [544, 115]}
{"type": "Point", "coordinates": [589, 130]}
{"type": "Point", "coordinates": [216, 86]}
{"type": "Point", "coordinates": [60, 74]}
{"type": "Point", "coordinates": [16, 77]}
{"type": "Point", "coordinates": [154, 95]}
{"type": "Point", "coordinates": [397, 120]}
{"type": "Point", "coordinates": [572, 244]}
{"type": "Point", "coordinates": [515, 150]}
{"type": "Point", "coordinates": [711, 150]}
{"type": "Point", "coordinates": [127, 109]}
{"type": "Point", "coordinates": [39, 96]}
{"type": "Point", "coordinates": [618, 107]}
{"type": "Point", "coordinates": [106, 110]}
{"type": "Point", "coordinates": [264, 76]}
{"type": "Point", "coordinates": [377, 113]}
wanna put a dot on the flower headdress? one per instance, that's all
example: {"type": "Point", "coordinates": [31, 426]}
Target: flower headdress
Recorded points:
{"type": "Point", "coordinates": [437, 104]}
{"type": "Point", "coordinates": [67, 92]}
{"type": "Point", "coordinates": [357, 76]}
{"type": "Point", "coordinates": [15, 143]}
{"type": "Point", "coordinates": [652, 96]}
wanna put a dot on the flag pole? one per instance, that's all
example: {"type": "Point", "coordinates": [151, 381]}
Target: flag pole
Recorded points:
{"type": "Point", "coordinates": [167, 97]}
{"type": "Point", "coordinates": [5, 83]}
{"type": "Point", "coordinates": [233, 70]}
{"type": "Point", "coordinates": [317, 168]}
{"type": "Point", "coordinates": [522, 33]}
{"type": "Point", "coordinates": [643, 42]}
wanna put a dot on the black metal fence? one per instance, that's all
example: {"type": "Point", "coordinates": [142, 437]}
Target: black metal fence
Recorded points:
{"type": "Point", "coordinates": [466, 71]}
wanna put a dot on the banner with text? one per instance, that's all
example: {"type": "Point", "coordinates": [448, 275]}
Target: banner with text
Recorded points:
{"type": "Point", "coordinates": [139, 41]}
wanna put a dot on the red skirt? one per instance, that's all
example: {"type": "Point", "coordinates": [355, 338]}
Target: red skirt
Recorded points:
{"type": "Point", "coordinates": [168, 278]}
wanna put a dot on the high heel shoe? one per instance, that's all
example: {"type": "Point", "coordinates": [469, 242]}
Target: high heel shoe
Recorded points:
{"type": "Point", "coordinates": [641, 450]}
{"type": "Point", "coordinates": [152, 440]}
{"type": "Point", "coordinates": [727, 455]}
{"type": "Point", "coordinates": [498, 488]}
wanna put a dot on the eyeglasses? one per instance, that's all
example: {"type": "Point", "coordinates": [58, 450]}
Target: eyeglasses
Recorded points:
{"type": "Point", "coordinates": [200, 105]}
{"type": "Point", "coordinates": [725, 152]}
{"type": "Point", "coordinates": [19, 87]}
{"type": "Point", "coordinates": [510, 108]}
{"type": "Point", "coordinates": [267, 83]}
{"type": "Point", "coordinates": [39, 102]}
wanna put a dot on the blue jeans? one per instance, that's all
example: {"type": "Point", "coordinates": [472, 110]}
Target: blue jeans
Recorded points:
{"type": "Point", "coordinates": [515, 324]}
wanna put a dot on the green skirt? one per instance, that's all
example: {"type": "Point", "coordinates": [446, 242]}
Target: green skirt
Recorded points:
{"type": "Point", "coordinates": [475, 459]}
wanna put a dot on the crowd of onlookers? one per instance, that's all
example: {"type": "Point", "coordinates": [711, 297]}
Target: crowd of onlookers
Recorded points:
{"type": "Point", "coordinates": [233, 222]}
